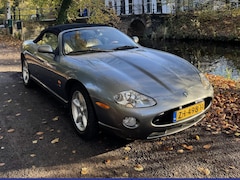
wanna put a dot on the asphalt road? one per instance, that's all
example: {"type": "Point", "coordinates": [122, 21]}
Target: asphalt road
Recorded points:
{"type": "Point", "coordinates": [37, 140]}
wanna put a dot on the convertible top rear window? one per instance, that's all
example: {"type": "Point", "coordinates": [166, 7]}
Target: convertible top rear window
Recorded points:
{"type": "Point", "coordinates": [59, 28]}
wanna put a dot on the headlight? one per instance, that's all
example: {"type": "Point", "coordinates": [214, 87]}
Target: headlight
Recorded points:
{"type": "Point", "coordinates": [133, 99]}
{"type": "Point", "coordinates": [205, 82]}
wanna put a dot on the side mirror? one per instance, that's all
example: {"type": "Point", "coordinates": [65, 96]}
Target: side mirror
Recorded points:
{"type": "Point", "coordinates": [135, 39]}
{"type": "Point", "coordinates": [45, 49]}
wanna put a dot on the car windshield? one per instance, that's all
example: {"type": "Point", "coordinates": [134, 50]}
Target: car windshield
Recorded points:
{"type": "Point", "coordinates": [95, 39]}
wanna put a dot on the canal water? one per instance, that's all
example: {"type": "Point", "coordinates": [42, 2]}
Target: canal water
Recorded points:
{"type": "Point", "coordinates": [217, 58]}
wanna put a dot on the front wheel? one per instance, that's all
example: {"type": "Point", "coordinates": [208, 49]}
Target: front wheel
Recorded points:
{"type": "Point", "coordinates": [26, 74]}
{"type": "Point", "coordinates": [82, 113]}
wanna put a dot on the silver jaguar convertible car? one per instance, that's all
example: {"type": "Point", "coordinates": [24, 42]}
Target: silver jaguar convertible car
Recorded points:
{"type": "Point", "coordinates": [110, 81]}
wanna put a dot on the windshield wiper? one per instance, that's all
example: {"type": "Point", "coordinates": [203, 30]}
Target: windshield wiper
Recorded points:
{"type": "Point", "coordinates": [125, 47]}
{"type": "Point", "coordinates": [87, 51]}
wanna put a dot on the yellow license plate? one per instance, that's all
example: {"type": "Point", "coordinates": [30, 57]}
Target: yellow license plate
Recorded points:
{"type": "Point", "coordinates": [188, 111]}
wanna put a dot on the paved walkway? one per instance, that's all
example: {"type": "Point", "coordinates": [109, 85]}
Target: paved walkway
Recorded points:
{"type": "Point", "coordinates": [9, 58]}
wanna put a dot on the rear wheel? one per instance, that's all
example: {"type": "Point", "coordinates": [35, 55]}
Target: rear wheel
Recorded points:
{"type": "Point", "coordinates": [82, 113]}
{"type": "Point", "coordinates": [26, 74]}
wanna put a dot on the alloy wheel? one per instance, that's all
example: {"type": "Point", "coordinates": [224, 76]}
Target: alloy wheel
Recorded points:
{"type": "Point", "coordinates": [25, 73]}
{"type": "Point", "coordinates": [79, 111]}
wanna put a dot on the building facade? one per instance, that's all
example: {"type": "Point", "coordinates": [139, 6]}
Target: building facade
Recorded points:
{"type": "Point", "coordinates": [141, 6]}
{"type": "Point", "coordinates": [128, 7]}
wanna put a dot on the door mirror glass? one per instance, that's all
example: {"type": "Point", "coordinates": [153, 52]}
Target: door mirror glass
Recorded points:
{"type": "Point", "coordinates": [45, 49]}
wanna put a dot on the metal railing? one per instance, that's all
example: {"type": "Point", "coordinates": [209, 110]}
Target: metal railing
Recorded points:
{"type": "Point", "coordinates": [33, 14]}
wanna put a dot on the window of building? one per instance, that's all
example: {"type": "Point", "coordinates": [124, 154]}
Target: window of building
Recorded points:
{"type": "Point", "coordinates": [130, 4]}
{"type": "Point", "coordinates": [159, 6]}
{"type": "Point", "coordinates": [123, 10]}
{"type": "Point", "coordinates": [115, 5]}
{"type": "Point", "coordinates": [149, 6]}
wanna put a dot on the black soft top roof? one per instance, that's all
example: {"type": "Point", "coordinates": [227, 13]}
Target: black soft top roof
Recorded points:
{"type": "Point", "coordinates": [62, 27]}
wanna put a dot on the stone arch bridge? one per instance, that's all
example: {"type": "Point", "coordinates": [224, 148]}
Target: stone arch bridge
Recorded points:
{"type": "Point", "coordinates": [141, 25]}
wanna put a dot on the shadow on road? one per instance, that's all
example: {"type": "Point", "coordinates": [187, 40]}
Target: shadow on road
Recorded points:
{"type": "Point", "coordinates": [36, 130]}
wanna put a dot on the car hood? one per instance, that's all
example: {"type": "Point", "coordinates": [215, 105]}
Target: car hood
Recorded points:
{"type": "Point", "coordinates": [144, 70]}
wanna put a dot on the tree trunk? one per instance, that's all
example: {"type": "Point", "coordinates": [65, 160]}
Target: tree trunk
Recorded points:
{"type": "Point", "coordinates": [62, 13]}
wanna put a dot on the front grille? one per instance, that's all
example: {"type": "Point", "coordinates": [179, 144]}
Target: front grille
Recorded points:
{"type": "Point", "coordinates": [167, 117]}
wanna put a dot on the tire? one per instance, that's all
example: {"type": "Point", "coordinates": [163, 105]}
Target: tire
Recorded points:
{"type": "Point", "coordinates": [82, 113]}
{"type": "Point", "coordinates": [26, 74]}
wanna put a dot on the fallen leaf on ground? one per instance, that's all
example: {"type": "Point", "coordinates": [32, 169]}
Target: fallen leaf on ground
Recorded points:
{"type": "Point", "coordinates": [216, 132]}
{"type": "Point", "coordinates": [56, 118]}
{"type": "Point", "coordinates": [108, 161]}
{"type": "Point", "coordinates": [163, 138]}
{"type": "Point", "coordinates": [190, 148]}
{"type": "Point", "coordinates": [56, 140]}
{"type": "Point", "coordinates": [237, 134]}
{"type": "Point", "coordinates": [34, 141]}
{"type": "Point", "coordinates": [10, 100]}
{"type": "Point", "coordinates": [84, 170]}
{"type": "Point", "coordinates": [1, 137]}
{"type": "Point", "coordinates": [167, 148]}
{"type": "Point", "coordinates": [138, 167]}
{"type": "Point", "coordinates": [11, 130]}
{"type": "Point", "coordinates": [232, 167]}
{"type": "Point", "coordinates": [197, 137]}
{"type": "Point", "coordinates": [180, 151]}
{"type": "Point", "coordinates": [207, 146]}
{"type": "Point", "coordinates": [2, 164]}
{"type": "Point", "coordinates": [125, 174]}
{"type": "Point", "coordinates": [33, 155]}
{"type": "Point", "coordinates": [127, 148]}
{"type": "Point", "coordinates": [39, 133]}
{"type": "Point", "coordinates": [205, 171]}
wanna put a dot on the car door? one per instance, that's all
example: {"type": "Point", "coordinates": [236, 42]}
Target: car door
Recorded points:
{"type": "Point", "coordinates": [47, 61]}
{"type": "Point", "coordinates": [51, 73]}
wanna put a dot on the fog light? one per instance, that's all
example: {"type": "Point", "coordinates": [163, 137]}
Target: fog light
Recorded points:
{"type": "Point", "coordinates": [130, 122]}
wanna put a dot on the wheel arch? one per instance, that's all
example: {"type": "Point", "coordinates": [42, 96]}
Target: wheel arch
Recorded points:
{"type": "Point", "coordinates": [22, 58]}
{"type": "Point", "coordinates": [73, 82]}
{"type": "Point", "coordinates": [70, 84]}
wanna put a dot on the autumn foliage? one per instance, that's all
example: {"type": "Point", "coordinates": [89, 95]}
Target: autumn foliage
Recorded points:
{"type": "Point", "coordinates": [224, 115]}
{"type": "Point", "coordinates": [8, 41]}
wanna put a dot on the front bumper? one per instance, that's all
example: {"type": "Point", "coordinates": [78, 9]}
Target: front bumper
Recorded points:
{"type": "Point", "coordinates": [153, 133]}
{"type": "Point", "coordinates": [148, 130]}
